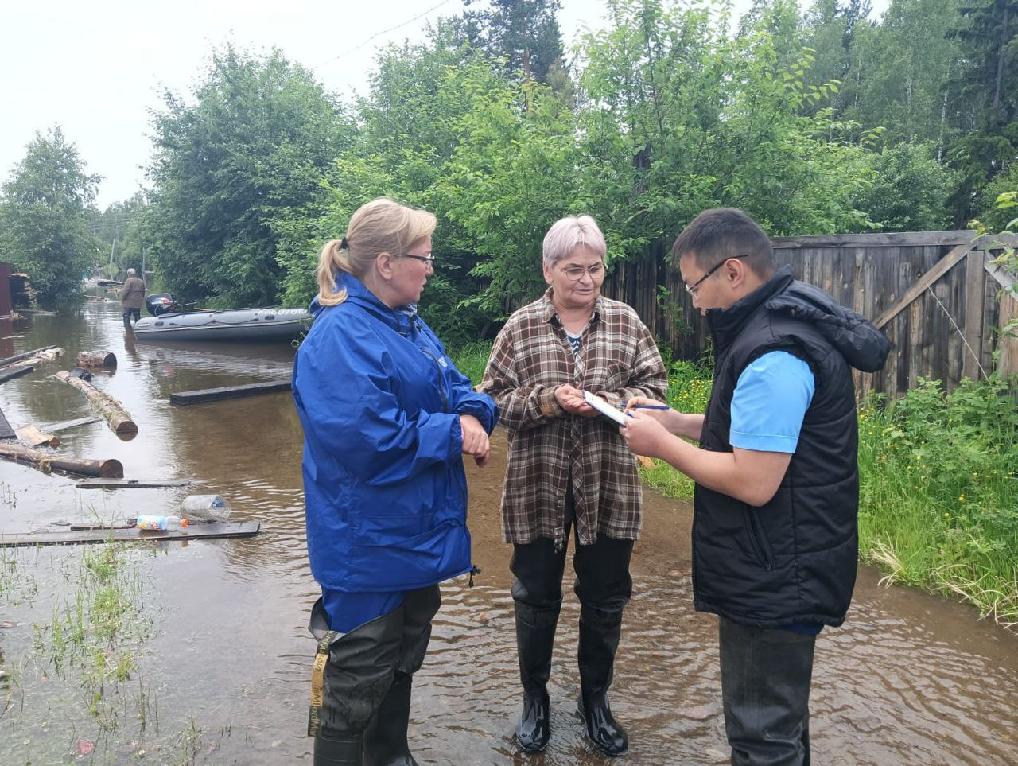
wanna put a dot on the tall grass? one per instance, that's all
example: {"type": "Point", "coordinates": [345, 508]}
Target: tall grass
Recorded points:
{"type": "Point", "coordinates": [939, 492]}
{"type": "Point", "coordinates": [689, 385]}
{"type": "Point", "coordinates": [96, 629]}
{"type": "Point", "coordinates": [471, 359]}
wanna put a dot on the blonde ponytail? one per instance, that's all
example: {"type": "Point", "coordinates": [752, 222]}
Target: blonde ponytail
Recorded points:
{"type": "Point", "coordinates": [380, 226]}
{"type": "Point", "coordinates": [331, 261]}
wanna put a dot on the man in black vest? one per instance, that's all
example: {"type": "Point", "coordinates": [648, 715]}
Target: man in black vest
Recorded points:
{"type": "Point", "coordinates": [777, 484]}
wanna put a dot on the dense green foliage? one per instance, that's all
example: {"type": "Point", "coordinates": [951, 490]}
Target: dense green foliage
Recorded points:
{"type": "Point", "coordinates": [44, 219]}
{"type": "Point", "coordinates": [236, 165]}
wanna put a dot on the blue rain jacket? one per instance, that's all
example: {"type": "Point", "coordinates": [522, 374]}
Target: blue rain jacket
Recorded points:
{"type": "Point", "coordinates": [384, 486]}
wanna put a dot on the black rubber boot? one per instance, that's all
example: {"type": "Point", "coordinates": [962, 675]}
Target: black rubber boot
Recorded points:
{"type": "Point", "coordinates": [600, 631]}
{"type": "Point", "coordinates": [535, 640]}
{"type": "Point", "coordinates": [338, 750]}
{"type": "Point", "coordinates": [385, 741]}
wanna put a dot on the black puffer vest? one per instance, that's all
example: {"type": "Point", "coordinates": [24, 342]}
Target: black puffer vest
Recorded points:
{"type": "Point", "coordinates": [793, 559]}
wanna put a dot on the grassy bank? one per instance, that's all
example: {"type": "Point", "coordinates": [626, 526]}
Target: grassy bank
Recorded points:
{"type": "Point", "coordinates": [939, 484]}
{"type": "Point", "coordinates": [939, 495]}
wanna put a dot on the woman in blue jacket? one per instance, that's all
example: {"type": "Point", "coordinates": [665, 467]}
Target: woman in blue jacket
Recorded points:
{"type": "Point", "coordinates": [386, 417]}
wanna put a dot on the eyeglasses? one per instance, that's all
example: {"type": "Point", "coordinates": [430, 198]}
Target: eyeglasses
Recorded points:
{"type": "Point", "coordinates": [428, 259]}
{"type": "Point", "coordinates": [691, 289]}
{"type": "Point", "coordinates": [576, 273]}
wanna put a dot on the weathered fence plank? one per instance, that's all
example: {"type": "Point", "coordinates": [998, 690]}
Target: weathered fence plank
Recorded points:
{"type": "Point", "coordinates": [975, 290]}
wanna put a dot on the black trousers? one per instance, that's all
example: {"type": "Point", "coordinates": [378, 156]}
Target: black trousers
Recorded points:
{"type": "Point", "coordinates": [602, 573]}
{"type": "Point", "coordinates": [129, 313]}
{"type": "Point", "coordinates": [765, 682]}
{"type": "Point", "coordinates": [363, 663]}
{"type": "Point", "coordinates": [603, 586]}
{"type": "Point", "coordinates": [602, 569]}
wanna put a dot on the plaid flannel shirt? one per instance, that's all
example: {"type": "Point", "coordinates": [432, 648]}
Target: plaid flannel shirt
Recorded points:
{"type": "Point", "coordinates": [530, 359]}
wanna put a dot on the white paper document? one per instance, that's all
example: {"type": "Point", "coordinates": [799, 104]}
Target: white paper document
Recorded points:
{"type": "Point", "coordinates": [604, 408]}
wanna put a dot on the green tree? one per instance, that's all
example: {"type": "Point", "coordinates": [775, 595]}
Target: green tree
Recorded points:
{"type": "Point", "coordinates": [910, 190]}
{"type": "Point", "coordinates": [235, 168]}
{"type": "Point", "coordinates": [682, 117]}
{"type": "Point", "coordinates": [513, 174]}
{"type": "Point", "coordinates": [406, 135]}
{"type": "Point", "coordinates": [986, 108]}
{"type": "Point", "coordinates": [839, 32]}
{"type": "Point", "coordinates": [911, 62]}
{"type": "Point", "coordinates": [44, 219]}
{"type": "Point", "coordinates": [523, 32]}
{"type": "Point", "coordinates": [997, 212]}
{"type": "Point", "coordinates": [120, 231]}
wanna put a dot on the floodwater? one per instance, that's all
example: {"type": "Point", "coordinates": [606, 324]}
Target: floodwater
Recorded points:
{"type": "Point", "coordinates": [221, 670]}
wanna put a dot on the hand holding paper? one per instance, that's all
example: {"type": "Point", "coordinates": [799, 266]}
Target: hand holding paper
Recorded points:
{"type": "Point", "coordinates": [571, 400]}
{"type": "Point", "coordinates": [604, 408]}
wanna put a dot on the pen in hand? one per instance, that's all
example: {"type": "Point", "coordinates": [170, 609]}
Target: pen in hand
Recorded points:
{"type": "Point", "coordinates": [651, 407]}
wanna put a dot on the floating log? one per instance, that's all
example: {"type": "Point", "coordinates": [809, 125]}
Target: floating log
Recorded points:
{"type": "Point", "coordinates": [130, 483]}
{"type": "Point", "coordinates": [24, 355]}
{"type": "Point", "coordinates": [31, 436]}
{"type": "Point", "coordinates": [228, 392]}
{"type": "Point", "coordinates": [10, 373]}
{"type": "Point", "coordinates": [104, 359]}
{"type": "Point", "coordinates": [74, 537]}
{"type": "Point", "coordinates": [65, 425]}
{"type": "Point", "coordinates": [43, 356]}
{"type": "Point", "coordinates": [117, 417]}
{"type": "Point", "coordinates": [46, 461]}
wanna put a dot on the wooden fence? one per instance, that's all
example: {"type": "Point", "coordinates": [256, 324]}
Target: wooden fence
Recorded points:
{"type": "Point", "coordinates": [939, 296]}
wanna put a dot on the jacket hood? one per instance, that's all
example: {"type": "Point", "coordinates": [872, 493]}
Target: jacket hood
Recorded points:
{"type": "Point", "coordinates": [856, 338]}
{"type": "Point", "coordinates": [859, 341]}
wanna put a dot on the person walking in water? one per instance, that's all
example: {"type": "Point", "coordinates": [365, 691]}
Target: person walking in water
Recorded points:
{"type": "Point", "coordinates": [569, 473]}
{"type": "Point", "coordinates": [132, 297]}
{"type": "Point", "coordinates": [775, 537]}
{"type": "Point", "coordinates": [386, 417]}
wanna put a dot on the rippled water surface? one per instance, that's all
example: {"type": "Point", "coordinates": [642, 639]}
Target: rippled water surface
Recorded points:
{"type": "Point", "coordinates": [223, 661]}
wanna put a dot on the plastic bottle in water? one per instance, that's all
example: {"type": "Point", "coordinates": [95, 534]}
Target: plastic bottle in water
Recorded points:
{"type": "Point", "coordinates": [205, 508]}
{"type": "Point", "coordinates": [160, 523]}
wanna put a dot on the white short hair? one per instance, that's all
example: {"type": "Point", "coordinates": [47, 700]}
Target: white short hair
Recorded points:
{"type": "Point", "coordinates": [130, 272]}
{"type": "Point", "coordinates": [569, 233]}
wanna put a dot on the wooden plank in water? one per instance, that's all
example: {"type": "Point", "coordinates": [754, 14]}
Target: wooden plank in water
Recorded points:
{"type": "Point", "coordinates": [213, 530]}
{"type": "Point", "coordinates": [32, 436]}
{"type": "Point", "coordinates": [10, 373]}
{"type": "Point", "coordinates": [23, 355]}
{"type": "Point", "coordinates": [63, 425]}
{"type": "Point", "coordinates": [228, 392]}
{"type": "Point", "coordinates": [130, 483]}
{"type": "Point", "coordinates": [6, 432]}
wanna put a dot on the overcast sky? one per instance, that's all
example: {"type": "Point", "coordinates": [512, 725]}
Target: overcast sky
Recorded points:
{"type": "Point", "coordinates": [97, 68]}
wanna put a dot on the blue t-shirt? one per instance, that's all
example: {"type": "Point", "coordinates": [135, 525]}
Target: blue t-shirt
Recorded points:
{"type": "Point", "coordinates": [769, 403]}
{"type": "Point", "coordinates": [770, 400]}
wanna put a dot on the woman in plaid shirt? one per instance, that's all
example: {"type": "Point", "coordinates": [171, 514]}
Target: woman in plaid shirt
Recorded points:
{"type": "Point", "coordinates": [570, 471]}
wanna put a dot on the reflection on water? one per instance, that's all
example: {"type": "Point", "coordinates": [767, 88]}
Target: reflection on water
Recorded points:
{"type": "Point", "coordinates": [909, 679]}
